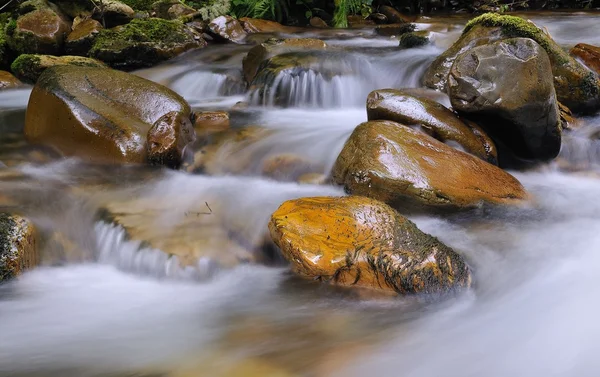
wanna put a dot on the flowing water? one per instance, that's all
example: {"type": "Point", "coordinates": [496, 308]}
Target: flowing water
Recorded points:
{"type": "Point", "coordinates": [108, 305]}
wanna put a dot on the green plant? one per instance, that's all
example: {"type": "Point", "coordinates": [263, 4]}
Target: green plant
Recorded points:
{"type": "Point", "coordinates": [268, 9]}
{"type": "Point", "coordinates": [343, 8]}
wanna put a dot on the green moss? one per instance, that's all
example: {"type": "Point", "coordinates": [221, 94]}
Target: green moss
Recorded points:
{"type": "Point", "coordinates": [11, 26]}
{"type": "Point", "coordinates": [516, 27]}
{"type": "Point", "coordinates": [138, 31]}
{"type": "Point", "coordinates": [139, 4]}
{"type": "Point", "coordinates": [413, 39]}
{"type": "Point", "coordinates": [590, 86]}
{"type": "Point", "coordinates": [7, 224]}
{"type": "Point", "coordinates": [24, 66]}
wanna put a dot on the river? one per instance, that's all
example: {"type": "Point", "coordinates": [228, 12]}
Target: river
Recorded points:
{"type": "Point", "coordinates": [111, 308]}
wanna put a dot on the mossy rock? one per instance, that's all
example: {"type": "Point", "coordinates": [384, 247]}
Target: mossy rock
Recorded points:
{"type": "Point", "coordinates": [29, 67]}
{"type": "Point", "coordinates": [576, 86]}
{"type": "Point", "coordinates": [40, 31]}
{"type": "Point", "coordinates": [143, 43]}
{"type": "Point", "coordinates": [80, 40]}
{"type": "Point", "coordinates": [18, 246]}
{"type": "Point", "coordinates": [111, 13]}
{"type": "Point", "coordinates": [4, 49]}
{"type": "Point", "coordinates": [414, 39]}
{"type": "Point", "coordinates": [140, 4]}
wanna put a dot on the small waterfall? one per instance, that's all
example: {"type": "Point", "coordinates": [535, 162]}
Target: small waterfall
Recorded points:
{"type": "Point", "coordinates": [341, 80]}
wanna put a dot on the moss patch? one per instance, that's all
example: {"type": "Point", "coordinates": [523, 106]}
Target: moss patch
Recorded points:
{"type": "Point", "coordinates": [25, 63]}
{"type": "Point", "coordinates": [413, 39]}
{"type": "Point", "coordinates": [7, 260]}
{"type": "Point", "coordinates": [139, 4]}
{"type": "Point", "coordinates": [516, 27]}
{"type": "Point", "coordinates": [138, 31]}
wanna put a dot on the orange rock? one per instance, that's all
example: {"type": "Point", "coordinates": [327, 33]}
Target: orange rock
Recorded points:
{"type": "Point", "coordinates": [357, 241]}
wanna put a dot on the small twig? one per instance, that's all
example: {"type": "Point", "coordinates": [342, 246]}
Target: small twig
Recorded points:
{"type": "Point", "coordinates": [201, 213]}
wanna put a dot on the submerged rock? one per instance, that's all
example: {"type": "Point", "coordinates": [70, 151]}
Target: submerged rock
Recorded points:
{"type": "Point", "coordinates": [40, 31]}
{"type": "Point", "coordinates": [357, 241]}
{"type": "Point", "coordinates": [93, 117]}
{"type": "Point", "coordinates": [434, 119]}
{"type": "Point", "coordinates": [209, 122]}
{"type": "Point", "coordinates": [8, 81]}
{"type": "Point", "coordinates": [29, 67]}
{"type": "Point", "coordinates": [226, 29]}
{"type": "Point", "coordinates": [143, 43]}
{"type": "Point", "coordinates": [408, 169]}
{"type": "Point", "coordinates": [289, 167]}
{"type": "Point", "coordinates": [575, 85]}
{"type": "Point", "coordinates": [255, 25]}
{"type": "Point", "coordinates": [519, 108]}
{"type": "Point", "coordinates": [394, 29]}
{"type": "Point", "coordinates": [258, 54]}
{"type": "Point", "coordinates": [590, 55]}
{"type": "Point", "coordinates": [80, 40]}
{"type": "Point", "coordinates": [18, 246]}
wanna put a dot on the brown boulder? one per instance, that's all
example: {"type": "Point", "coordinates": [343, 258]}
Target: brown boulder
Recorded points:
{"type": "Point", "coordinates": [288, 167]}
{"type": "Point", "coordinates": [271, 47]}
{"type": "Point", "coordinates": [318, 23]}
{"type": "Point", "coordinates": [168, 138]}
{"type": "Point", "coordinates": [255, 25]}
{"type": "Point", "coordinates": [394, 29]}
{"type": "Point", "coordinates": [8, 81]}
{"type": "Point", "coordinates": [226, 29]}
{"type": "Point", "coordinates": [80, 40]}
{"type": "Point", "coordinates": [41, 31]}
{"type": "Point", "coordinates": [18, 246]}
{"type": "Point", "coordinates": [85, 112]}
{"type": "Point", "coordinates": [433, 118]}
{"type": "Point", "coordinates": [361, 242]}
{"type": "Point", "coordinates": [408, 169]}
{"type": "Point", "coordinates": [520, 109]}
{"type": "Point", "coordinates": [392, 15]}
{"type": "Point", "coordinates": [589, 55]}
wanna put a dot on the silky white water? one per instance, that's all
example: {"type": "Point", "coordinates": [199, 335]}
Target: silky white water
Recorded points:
{"type": "Point", "coordinates": [117, 308]}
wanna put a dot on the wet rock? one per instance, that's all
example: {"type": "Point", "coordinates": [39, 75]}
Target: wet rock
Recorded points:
{"type": "Point", "coordinates": [226, 29]}
{"type": "Point", "coordinates": [192, 236]}
{"type": "Point", "coordinates": [434, 95]}
{"type": "Point", "coordinates": [590, 55]}
{"type": "Point", "coordinates": [254, 25]}
{"type": "Point", "coordinates": [392, 15]}
{"type": "Point", "coordinates": [80, 40]}
{"type": "Point", "coordinates": [29, 67]}
{"type": "Point", "coordinates": [18, 246]}
{"type": "Point", "coordinates": [40, 31]}
{"type": "Point", "coordinates": [168, 138]}
{"type": "Point", "coordinates": [358, 21]}
{"type": "Point", "coordinates": [357, 241]}
{"type": "Point", "coordinates": [318, 23]}
{"type": "Point", "coordinates": [209, 122]}
{"type": "Point", "coordinates": [85, 112]}
{"type": "Point", "coordinates": [414, 39]}
{"type": "Point", "coordinates": [110, 12]}
{"type": "Point", "coordinates": [378, 18]}
{"type": "Point", "coordinates": [520, 109]}
{"type": "Point", "coordinates": [271, 47]}
{"type": "Point", "coordinates": [8, 81]}
{"type": "Point", "coordinates": [411, 170]}
{"type": "Point", "coordinates": [171, 9]}
{"type": "Point", "coordinates": [433, 118]}
{"type": "Point", "coordinates": [394, 29]}
{"type": "Point", "coordinates": [288, 167]}
{"type": "Point", "coordinates": [575, 85]}
{"type": "Point", "coordinates": [143, 43]}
